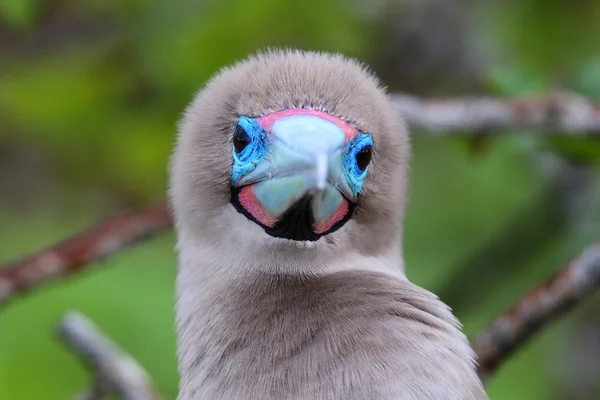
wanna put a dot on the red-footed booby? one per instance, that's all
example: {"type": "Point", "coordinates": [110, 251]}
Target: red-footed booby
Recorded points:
{"type": "Point", "coordinates": [288, 186]}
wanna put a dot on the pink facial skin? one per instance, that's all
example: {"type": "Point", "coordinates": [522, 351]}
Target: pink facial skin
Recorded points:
{"type": "Point", "coordinates": [249, 201]}
{"type": "Point", "coordinates": [251, 204]}
{"type": "Point", "coordinates": [336, 217]}
{"type": "Point", "coordinates": [267, 121]}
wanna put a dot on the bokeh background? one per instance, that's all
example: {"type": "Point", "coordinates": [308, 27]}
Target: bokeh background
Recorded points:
{"type": "Point", "coordinates": [90, 92]}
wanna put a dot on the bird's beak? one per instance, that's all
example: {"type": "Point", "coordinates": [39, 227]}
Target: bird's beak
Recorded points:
{"type": "Point", "coordinates": [300, 187]}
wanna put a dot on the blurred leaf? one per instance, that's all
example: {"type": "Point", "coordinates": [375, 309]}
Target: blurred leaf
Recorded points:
{"type": "Point", "coordinates": [58, 94]}
{"type": "Point", "coordinates": [580, 150]}
{"type": "Point", "coordinates": [548, 35]}
{"type": "Point", "coordinates": [181, 48]}
{"type": "Point", "coordinates": [516, 80]}
{"type": "Point", "coordinates": [19, 14]}
{"type": "Point", "coordinates": [454, 197]}
{"type": "Point", "coordinates": [587, 81]}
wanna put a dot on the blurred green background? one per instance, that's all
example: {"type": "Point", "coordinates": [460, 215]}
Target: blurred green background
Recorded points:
{"type": "Point", "coordinates": [90, 92]}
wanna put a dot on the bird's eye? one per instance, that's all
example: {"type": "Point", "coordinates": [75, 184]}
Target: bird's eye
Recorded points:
{"type": "Point", "coordinates": [240, 139]}
{"type": "Point", "coordinates": [363, 158]}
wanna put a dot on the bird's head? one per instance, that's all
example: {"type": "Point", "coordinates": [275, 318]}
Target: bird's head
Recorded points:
{"type": "Point", "coordinates": [291, 145]}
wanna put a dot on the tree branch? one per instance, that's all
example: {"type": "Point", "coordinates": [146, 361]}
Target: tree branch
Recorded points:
{"type": "Point", "coordinates": [495, 344]}
{"type": "Point", "coordinates": [116, 371]}
{"type": "Point", "coordinates": [565, 114]}
{"type": "Point", "coordinates": [81, 250]}
{"type": "Point", "coordinates": [558, 295]}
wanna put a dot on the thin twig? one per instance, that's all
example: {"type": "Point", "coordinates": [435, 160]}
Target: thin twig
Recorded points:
{"type": "Point", "coordinates": [562, 113]}
{"type": "Point", "coordinates": [116, 371]}
{"type": "Point", "coordinates": [81, 250]}
{"type": "Point", "coordinates": [537, 309]}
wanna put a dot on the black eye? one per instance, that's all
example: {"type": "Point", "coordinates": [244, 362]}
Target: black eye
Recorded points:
{"type": "Point", "coordinates": [240, 139]}
{"type": "Point", "coordinates": [363, 158]}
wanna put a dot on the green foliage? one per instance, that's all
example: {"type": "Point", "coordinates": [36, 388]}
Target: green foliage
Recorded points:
{"type": "Point", "coordinates": [19, 14]}
{"type": "Point", "coordinates": [107, 108]}
{"type": "Point", "coordinates": [100, 85]}
{"type": "Point", "coordinates": [587, 81]}
{"type": "Point", "coordinates": [552, 36]}
{"type": "Point", "coordinates": [516, 81]}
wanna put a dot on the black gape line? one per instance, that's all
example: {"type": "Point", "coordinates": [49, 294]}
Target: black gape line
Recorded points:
{"type": "Point", "coordinates": [296, 223]}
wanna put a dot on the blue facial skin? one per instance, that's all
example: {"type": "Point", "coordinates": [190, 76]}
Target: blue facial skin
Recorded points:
{"type": "Point", "coordinates": [253, 154]}
{"type": "Point", "coordinates": [282, 168]}
{"type": "Point", "coordinates": [354, 175]}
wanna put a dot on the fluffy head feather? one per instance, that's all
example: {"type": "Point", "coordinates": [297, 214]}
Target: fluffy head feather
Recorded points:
{"type": "Point", "coordinates": [275, 81]}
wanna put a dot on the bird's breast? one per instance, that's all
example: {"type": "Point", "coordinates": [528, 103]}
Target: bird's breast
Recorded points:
{"type": "Point", "coordinates": [350, 335]}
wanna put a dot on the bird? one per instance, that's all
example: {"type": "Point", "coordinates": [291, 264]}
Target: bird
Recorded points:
{"type": "Point", "coordinates": [288, 186]}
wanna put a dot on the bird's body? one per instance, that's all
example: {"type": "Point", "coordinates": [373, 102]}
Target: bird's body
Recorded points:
{"type": "Point", "coordinates": [291, 282]}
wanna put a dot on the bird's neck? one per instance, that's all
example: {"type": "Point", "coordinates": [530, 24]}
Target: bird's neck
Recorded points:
{"type": "Point", "coordinates": [247, 335]}
{"type": "Point", "coordinates": [218, 282]}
